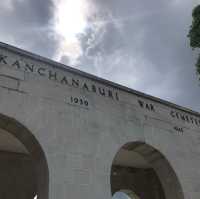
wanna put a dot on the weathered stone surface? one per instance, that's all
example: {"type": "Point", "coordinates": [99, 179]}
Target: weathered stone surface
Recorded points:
{"type": "Point", "coordinates": [82, 121]}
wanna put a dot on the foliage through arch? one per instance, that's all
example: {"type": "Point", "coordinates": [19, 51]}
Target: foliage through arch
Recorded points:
{"type": "Point", "coordinates": [194, 35]}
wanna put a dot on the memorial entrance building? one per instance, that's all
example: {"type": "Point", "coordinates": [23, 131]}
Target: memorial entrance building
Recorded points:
{"type": "Point", "coordinates": [66, 134]}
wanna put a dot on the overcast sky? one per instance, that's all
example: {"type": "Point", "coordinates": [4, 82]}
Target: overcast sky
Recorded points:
{"type": "Point", "coordinates": [137, 43]}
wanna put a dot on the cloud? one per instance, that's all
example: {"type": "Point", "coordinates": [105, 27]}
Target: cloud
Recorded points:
{"type": "Point", "coordinates": [143, 45]}
{"type": "Point", "coordinates": [27, 24]}
{"type": "Point", "coordinates": [140, 44]}
{"type": "Point", "coordinates": [70, 19]}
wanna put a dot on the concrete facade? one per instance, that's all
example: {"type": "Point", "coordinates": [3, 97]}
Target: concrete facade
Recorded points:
{"type": "Point", "coordinates": [76, 126]}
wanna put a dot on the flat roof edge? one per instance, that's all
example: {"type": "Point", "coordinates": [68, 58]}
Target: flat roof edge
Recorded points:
{"type": "Point", "coordinates": [95, 78]}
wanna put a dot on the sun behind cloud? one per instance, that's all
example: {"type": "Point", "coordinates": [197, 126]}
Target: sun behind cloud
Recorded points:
{"type": "Point", "coordinates": [70, 19]}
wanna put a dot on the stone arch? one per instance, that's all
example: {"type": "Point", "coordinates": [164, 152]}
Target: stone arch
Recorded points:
{"type": "Point", "coordinates": [34, 150]}
{"type": "Point", "coordinates": [142, 169]}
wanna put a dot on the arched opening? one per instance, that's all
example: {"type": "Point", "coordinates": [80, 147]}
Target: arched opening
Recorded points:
{"type": "Point", "coordinates": [23, 166]}
{"type": "Point", "coordinates": [143, 172]}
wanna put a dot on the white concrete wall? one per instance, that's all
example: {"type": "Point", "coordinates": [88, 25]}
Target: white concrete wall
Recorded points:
{"type": "Point", "coordinates": [80, 142]}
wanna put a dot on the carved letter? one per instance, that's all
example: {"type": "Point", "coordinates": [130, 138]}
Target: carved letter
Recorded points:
{"type": "Point", "coordinates": [85, 87]}
{"type": "Point", "coordinates": [41, 71]}
{"type": "Point", "coordinates": [3, 59]}
{"type": "Point", "coordinates": [141, 103]}
{"type": "Point", "coordinates": [110, 94]}
{"type": "Point", "coordinates": [64, 80]}
{"type": "Point", "coordinates": [147, 107]}
{"type": "Point", "coordinates": [191, 119]}
{"type": "Point", "coordinates": [102, 91]}
{"type": "Point", "coordinates": [172, 113]}
{"type": "Point", "coordinates": [75, 83]}
{"type": "Point", "coordinates": [183, 117]}
{"type": "Point", "coordinates": [152, 107]}
{"type": "Point", "coordinates": [94, 88]}
{"type": "Point", "coordinates": [16, 63]}
{"type": "Point", "coordinates": [177, 115]}
{"type": "Point", "coordinates": [117, 97]}
{"type": "Point", "coordinates": [52, 75]}
{"type": "Point", "coordinates": [29, 68]}
{"type": "Point", "coordinates": [187, 118]}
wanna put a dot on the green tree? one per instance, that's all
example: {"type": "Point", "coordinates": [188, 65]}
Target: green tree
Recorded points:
{"type": "Point", "coordinates": [194, 34]}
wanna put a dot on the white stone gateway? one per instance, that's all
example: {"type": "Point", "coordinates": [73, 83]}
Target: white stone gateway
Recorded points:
{"type": "Point", "coordinates": [68, 134]}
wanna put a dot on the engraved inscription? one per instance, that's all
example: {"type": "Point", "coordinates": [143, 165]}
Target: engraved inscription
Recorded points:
{"type": "Point", "coordinates": [60, 77]}
{"type": "Point", "coordinates": [185, 118]}
{"type": "Point", "coordinates": [178, 129]}
{"type": "Point", "coordinates": [147, 106]}
{"type": "Point", "coordinates": [78, 101]}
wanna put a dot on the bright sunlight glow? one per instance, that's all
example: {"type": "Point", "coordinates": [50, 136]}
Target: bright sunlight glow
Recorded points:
{"type": "Point", "coordinates": [70, 19]}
